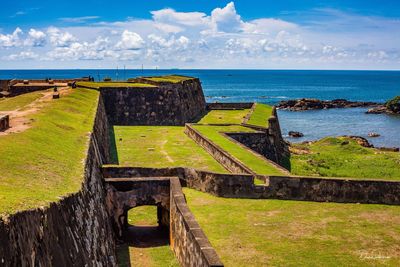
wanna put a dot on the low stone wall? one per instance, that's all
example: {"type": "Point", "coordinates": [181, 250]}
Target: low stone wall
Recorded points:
{"type": "Point", "coordinates": [4, 122]}
{"type": "Point", "coordinates": [331, 190]}
{"type": "Point", "coordinates": [224, 158]}
{"type": "Point", "coordinates": [258, 142]}
{"type": "Point", "coordinates": [171, 104]}
{"type": "Point", "coordinates": [34, 85]}
{"type": "Point", "coordinates": [75, 231]}
{"type": "Point", "coordinates": [340, 190]}
{"type": "Point", "coordinates": [188, 241]}
{"type": "Point", "coordinates": [229, 106]}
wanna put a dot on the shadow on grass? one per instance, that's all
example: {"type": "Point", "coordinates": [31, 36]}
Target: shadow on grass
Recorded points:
{"type": "Point", "coordinates": [146, 236]}
{"type": "Point", "coordinates": [140, 237]}
{"type": "Point", "coordinates": [113, 147]}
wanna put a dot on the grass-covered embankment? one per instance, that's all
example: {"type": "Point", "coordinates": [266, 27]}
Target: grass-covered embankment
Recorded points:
{"type": "Point", "coordinates": [45, 162]}
{"type": "Point", "coordinates": [260, 115]}
{"type": "Point", "coordinates": [224, 116]}
{"type": "Point", "coordinates": [97, 85]}
{"type": "Point", "coordinates": [161, 147]}
{"type": "Point", "coordinates": [248, 232]}
{"type": "Point", "coordinates": [248, 158]}
{"type": "Point", "coordinates": [140, 255]}
{"type": "Point", "coordinates": [13, 103]}
{"type": "Point", "coordinates": [169, 78]}
{"type": "Point", "coordinates": [343, 157]}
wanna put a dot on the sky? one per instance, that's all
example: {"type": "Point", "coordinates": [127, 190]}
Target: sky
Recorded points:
{"type": "Point", "coordinates": [201, 34]}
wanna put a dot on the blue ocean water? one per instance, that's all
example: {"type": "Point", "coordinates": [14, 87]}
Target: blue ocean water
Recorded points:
{"type": "Point", "coordinates": [272, 86]}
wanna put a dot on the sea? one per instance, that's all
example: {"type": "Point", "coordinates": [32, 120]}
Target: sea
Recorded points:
{"type": "Point", "coordinates": [272, 86]}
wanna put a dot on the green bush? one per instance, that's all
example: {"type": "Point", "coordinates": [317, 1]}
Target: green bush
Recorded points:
{"type": "Point", "coordinates": [107, 79]}
{"type": "Point", "coordinates": [394, 104]}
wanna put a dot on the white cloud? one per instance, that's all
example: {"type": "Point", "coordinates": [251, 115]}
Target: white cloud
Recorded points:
{"type": "Point", "coordinates": [35, 38]}
{"type": "Point", "coordinates": [60, 39]}
{"type": "Point", "coordinates": [11, 40]}
{"type": "Point", "coordinates": [130, 41]}
{"type": "Point", "coordinates": [79, 19]}
{"type": "Point", "coordinates": [24, 55]}
{"type": "Point", "coordinates": [226, 19]}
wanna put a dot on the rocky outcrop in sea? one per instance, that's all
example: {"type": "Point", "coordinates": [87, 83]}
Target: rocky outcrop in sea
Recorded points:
{"type": "Point", "coordinates": [312, 104]}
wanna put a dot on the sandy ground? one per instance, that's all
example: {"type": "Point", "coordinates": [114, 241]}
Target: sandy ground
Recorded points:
{"type": "Point", "coordinates": [19, 120]}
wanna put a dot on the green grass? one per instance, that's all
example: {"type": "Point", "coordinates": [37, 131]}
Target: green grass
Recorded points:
{"type": "Point", "coordinates": [248, 232]}
{"type": "Point", "coordinates": [257, 164]}
{"type": "Point", "coordinates": [260, 115]}
{"type": "Point", "coordinates": [97, 85]}
{"type": "Point", "coordinates": [169, 78]}
{"type": "Point", "coordinates": [17, 102]}
{"type": "Point", "coordinates": [45, 162]}
{"type": "Point", "coordinates": [343, 157]}
{"type": "Point", "coordinates": [151, 256]}
{"type": "Point", "coordinates": [224, 116]}
{"type": "Point", "coordinates": [160, 147]}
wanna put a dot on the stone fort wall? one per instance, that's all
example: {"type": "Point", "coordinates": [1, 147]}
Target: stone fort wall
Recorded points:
{"type": "Point", "coordinates": [166, 104]}
{"type": "Point", "coordinates": [74, 231]}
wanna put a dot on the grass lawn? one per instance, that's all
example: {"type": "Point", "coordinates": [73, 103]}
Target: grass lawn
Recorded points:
{"type": "Point", "coordinates": [293, 233]}
{"type": "Point", "coordinates": [17, 102]}
{"type": "Point", "coordinates": [46, 161]}
{"type": "Point", "coordinates": [169, 78]}
{"type": "Point", "coordinates": [260, 115]}
{"type": "Point", "coordinates": [97, 85]}
{"type": "Point", "coordinates": [131, 255]}
{"type": "Point", "coordinates": [224, 116]}
{"type": "Point", "coordinates": [159, 147]}
{"type": "Point", "coordinates": [343, 157]}
{"type": "Point", "coordinates": [248, 158]}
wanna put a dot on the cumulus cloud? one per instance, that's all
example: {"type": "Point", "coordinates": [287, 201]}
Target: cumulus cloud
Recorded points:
{"type": "Point", "coordinates": [35, 38]}
{"type": "Point", "coordinates": [130, 41]}
{"type": "Point", "coordinates": [11, 40]}
{"type": "Point", "coordinates": [226, 19]}
{"type": "Point", "coordinates": [59, 38]}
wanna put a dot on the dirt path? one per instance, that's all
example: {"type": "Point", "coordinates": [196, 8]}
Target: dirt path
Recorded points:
{"type": "Point", "coordinates": [163, 151]}
{"type": "Point", "coordinates": [19, 120]}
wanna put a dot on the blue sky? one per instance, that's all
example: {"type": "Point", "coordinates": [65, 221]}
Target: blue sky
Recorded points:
{"type": "Point", "coordinates": [200, 34]}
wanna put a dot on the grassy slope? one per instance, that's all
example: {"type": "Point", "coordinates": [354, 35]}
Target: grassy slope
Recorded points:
{"type": "Point", "coordinates": [329, 157]}
{"type": "Point", "coordinates": [249, 159]}
{"type": "Point", "coordinates": [295, 233]}
{"type": "Point", "coordinates": [161, 146]}
{"type": "Point", "coordinates": [224, 116]}
{"type": "Point", "coordinates": [46, 161]}
{"type": "Point", "coordinates": [169, 78]}
{"type": "Point", "coordinates": [96, 85]}
{"type": "Point", "coordinates": [151, 256]}
{"type": "Point", "coordinates": [260, 115]}
{"type": "Point", "coordinates": [13, 103]}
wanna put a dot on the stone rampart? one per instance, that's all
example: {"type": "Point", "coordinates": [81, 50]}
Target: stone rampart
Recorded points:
{"type": "Point", "coordinates": [33, 85]}
{"type": "Point", "coordinates": [170, 104]}
{"type": "Point", "coordinates": [229, 106]}
{"type": "Point", "coordinates": [74, 231]}
{"type": "Point", "coordinates": [188, 241]}
{"type": "Point", "coordinates": [342, 190]}
{"type": "Point", "coordinates": [220, 155]}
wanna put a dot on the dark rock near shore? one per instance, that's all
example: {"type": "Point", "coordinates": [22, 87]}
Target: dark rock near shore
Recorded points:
{"type": "Point", "coordinates": [295, 134]}
{"type": "Point", "coordinates": [312, 104]}
{"type": "Point", "coordinates": [360, 140]}
{"type": "Point", "coordinates": [373, 135]}
{"type": "Point", "coordinates": [390, 107]}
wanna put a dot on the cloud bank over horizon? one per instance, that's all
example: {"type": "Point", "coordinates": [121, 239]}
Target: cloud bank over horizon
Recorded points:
{"type": "Point", "coordinates": [332, 39]}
